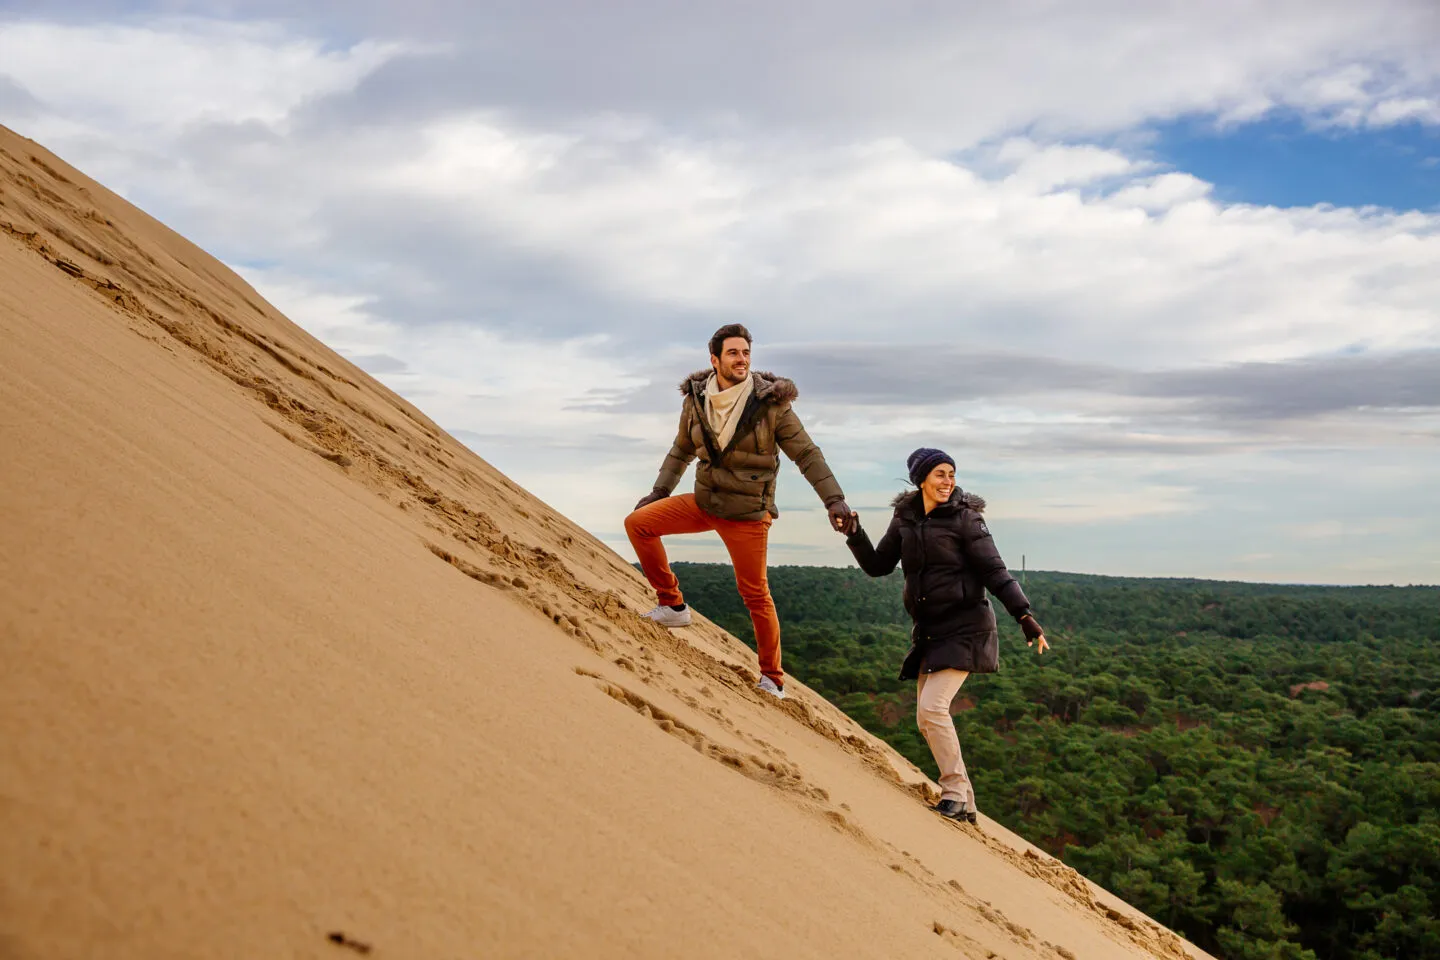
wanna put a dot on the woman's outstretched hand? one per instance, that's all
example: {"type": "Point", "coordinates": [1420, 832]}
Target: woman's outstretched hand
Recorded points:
{"type": "Point", "coordinates": [842, 518]}
{"type": "Point", "coordinates": [1034, 632]}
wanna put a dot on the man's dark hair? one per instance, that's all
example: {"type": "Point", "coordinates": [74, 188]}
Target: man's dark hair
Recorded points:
{"type": "Point", "coordinates": [717, 342]}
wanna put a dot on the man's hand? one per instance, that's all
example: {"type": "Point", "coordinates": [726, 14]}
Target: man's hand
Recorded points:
{"type": "Point", "coordinates": [1033, 632]}
{"type": "Point", "coordinates": [651, 497]}
{"type": "Point", "coordinates": [842, 518]}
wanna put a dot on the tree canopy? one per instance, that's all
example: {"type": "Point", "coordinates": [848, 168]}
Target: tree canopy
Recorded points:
{"type": "Point", "coordinates": [1255, 766]}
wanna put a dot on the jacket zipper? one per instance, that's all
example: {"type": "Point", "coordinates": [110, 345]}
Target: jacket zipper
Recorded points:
{"type": "Point", "coordinates": [924, 558]}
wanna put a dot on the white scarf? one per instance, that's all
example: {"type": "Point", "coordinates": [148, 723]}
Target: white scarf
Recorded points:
{"type": "Point", "coordinates": [723, 407]}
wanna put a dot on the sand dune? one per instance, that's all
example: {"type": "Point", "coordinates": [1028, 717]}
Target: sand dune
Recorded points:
{"type": "Point", "coordinates": [283, 660]}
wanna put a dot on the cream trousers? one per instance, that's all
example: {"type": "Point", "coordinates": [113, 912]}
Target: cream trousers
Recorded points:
{"type": "Point", "coordinates": [933, 693]}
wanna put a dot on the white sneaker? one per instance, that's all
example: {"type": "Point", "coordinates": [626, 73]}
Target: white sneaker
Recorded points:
{"type": "Point", "coordinates": [666, 617]}
{"type": "Point", "coordinates": [771, 687]}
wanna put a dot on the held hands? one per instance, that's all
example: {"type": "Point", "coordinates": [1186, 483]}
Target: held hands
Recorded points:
{"type": "Point", "coordinates": [1033, 632]}
{"type": "Point", "coordinates": [842, 518]}
{"type": "Point", "coordinates": [651, 497]}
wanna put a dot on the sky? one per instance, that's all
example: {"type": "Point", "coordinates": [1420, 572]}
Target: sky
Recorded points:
{"type": "Point", "coordinates": [1163, 278]}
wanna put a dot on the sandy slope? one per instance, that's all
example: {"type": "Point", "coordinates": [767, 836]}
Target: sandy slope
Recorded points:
{"type": "Point", "coordinates": [282, 659]}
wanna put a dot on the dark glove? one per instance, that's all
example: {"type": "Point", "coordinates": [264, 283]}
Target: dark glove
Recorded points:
{"type": "Point", "coordinates": [651, 497]}
{"type": "Point", "coordinates": [842, 518]}
{"type": "Point", "coordinates": [1032, 628]}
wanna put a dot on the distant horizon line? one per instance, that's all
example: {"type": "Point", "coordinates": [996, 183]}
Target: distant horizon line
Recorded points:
{"type": "Point", "coordinates": [1111, 576]}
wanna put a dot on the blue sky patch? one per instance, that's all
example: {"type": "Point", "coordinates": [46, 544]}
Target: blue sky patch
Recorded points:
{"type": "Point", "coordinates": [1284, 163]}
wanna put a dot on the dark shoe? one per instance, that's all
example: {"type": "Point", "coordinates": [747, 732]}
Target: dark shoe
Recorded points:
{"type": "Point", "coordinates": [953, 810]}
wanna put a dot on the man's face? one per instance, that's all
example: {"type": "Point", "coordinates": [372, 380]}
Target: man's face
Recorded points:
{"type": "Point", "coordinates": [733, 364]}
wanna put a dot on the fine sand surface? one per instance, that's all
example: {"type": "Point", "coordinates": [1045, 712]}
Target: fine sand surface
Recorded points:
{"type": "Point", "coordinates": [283, 660]}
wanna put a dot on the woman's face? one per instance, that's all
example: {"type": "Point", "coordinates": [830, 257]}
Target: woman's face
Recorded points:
{"type": "Point", "coordinates": [940, 483]}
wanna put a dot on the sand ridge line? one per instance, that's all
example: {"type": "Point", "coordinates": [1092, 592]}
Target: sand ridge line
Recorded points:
{"type": "Point", "coordinates": [476, 530]}
{"type": "Point", "coordinates": [1049, 870]}
{"type": "Point", "coordinates": [180, 314]}
{"type": "Point", "coordinates": [1146, 934]}
{"type": "Point", "coordinates": [332, 439]}
{"type": "Point", "coordinates": [341, 445]}
{"type": "Point", "coordinates": [570, 600]}
{"type": "Point", "coordinates": [816, 801]}
{"type": "Point", "coordinates": [465, 514]}
{"type": "Point", "coordinates": [790, 779]}
{"type": "Point", "coordinates": [580, 611]}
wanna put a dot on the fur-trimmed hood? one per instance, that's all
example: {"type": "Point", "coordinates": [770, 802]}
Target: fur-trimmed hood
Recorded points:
{"type": "Point", "coordinates": [738, 481]}
{"type": "Point", "coordinates": [958, 498]}
{"type": "Point", "coordinates": [768, 387]}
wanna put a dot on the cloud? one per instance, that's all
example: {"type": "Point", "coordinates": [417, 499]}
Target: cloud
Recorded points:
{"type": "Point", "coordinates": [641, 228]}
{"type": "Point", "coordinates": [1307, 387]}
{"type": "Point", "coordinates": [378, 363]}
{"type": "Point", "coordinates": [945, 226]}
{"type": "Point", "coordinates": [15, 100]}
{"type": "Point", "coordinates": [672, 237]}
{"type": "Point", "coordinates": [940, 76]}
{"type": "Point", "coordinates": [1341, 529]}
{"type": "Point", "coordinates": [1041, 168]}
{"type": "Point", "coordinates": [169, 74]}
{"type": "Point", "coordinates": [942, 374]}
{"type": "Point", "coordinates": [578, 443]}
{"type": "Point", "coordinates": [1360, 95]}
{"type": "Point", "coordinates": [1101, 504]}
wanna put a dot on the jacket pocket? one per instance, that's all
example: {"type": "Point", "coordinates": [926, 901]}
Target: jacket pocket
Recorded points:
{"type": "Point", "coordinates": [943, 588]}
{"type": "Point", "coordinates": [726, 481]}
{"type": "Point", "coordinates": [743, 461]}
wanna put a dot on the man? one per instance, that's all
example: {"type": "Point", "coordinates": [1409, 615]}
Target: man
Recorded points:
{"type": "Point", "coordinates": [734, 421]}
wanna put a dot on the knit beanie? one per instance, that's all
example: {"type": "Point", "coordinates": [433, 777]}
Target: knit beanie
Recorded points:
{"type": "Point", "coordinates": [922, 461]}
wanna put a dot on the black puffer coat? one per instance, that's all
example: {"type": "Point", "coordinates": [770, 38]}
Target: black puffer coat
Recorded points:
{"type": "Point", "coordinates": [949, 560]}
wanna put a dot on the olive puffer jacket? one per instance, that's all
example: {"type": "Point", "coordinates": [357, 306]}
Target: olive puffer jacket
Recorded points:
{"type": "Point", "coordinates": [949, 560]}
{"type": "Point", "coordinates": [738, 483]}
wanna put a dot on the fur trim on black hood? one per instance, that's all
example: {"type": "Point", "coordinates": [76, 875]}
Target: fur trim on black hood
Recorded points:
{"type": "Point", "coordinates": [958, 497]}
{"type": "Point", "coordinates": [768, 387]}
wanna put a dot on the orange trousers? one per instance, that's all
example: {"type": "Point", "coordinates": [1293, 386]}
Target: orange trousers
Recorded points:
{"type": "Point", "coordinates": [745, 539]}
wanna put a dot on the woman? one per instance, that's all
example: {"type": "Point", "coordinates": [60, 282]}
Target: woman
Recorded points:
{"type": "Point", "coordinates": [939, 539]}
